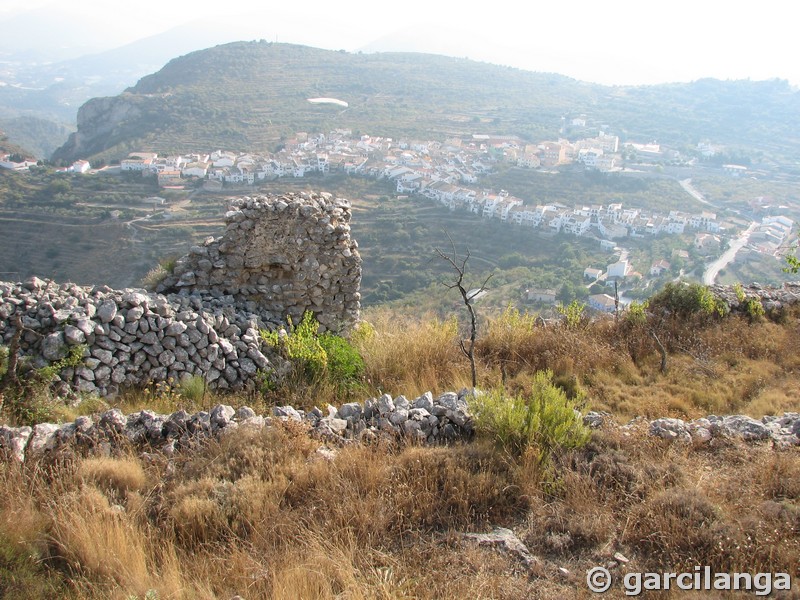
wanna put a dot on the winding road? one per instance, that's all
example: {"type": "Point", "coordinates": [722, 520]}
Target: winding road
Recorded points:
{"type": "Point", "coordinates": [713, 269]}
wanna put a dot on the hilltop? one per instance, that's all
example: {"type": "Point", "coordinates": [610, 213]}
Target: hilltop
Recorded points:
{"type": "Point", "coordinates": [252, 95]}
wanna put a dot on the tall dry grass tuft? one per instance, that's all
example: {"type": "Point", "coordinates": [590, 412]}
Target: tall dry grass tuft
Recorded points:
{"type": "Point", "coordinates": [118, 476]}
{"type": "Point", "coordinates": [98, 541]}
{"type": "Point", "coordinates": [23, 537]}
{"type": "Point", "coordinates": [108, 552]}
{"type": "Point", "coordinates": [412, 355]}
{"type": "Point", "coordinates": [514, 344]}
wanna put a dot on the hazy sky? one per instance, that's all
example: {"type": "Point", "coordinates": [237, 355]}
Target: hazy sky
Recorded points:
{"type": "Point", "coordinates": [612, 42]}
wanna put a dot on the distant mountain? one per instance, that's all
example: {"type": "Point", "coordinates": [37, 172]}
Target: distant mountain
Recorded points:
{"type": "Point", "coordinates": [250, 95]}
{"type": "Point", "coordinates": [55, 33]}
{"type": "Point", "coordinates": [39, 137]}
{"type": "Point", "coordinates": [51, 83]}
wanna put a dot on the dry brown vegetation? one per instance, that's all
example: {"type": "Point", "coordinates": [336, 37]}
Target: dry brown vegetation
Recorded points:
{"type": "Point", "coordinates": [715, 365]}
{"type": "Point", "coordinates": [267, 515]}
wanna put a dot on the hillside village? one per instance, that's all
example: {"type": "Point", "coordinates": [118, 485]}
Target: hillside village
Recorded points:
{"type": "Point", "coordinates": [449, 172]}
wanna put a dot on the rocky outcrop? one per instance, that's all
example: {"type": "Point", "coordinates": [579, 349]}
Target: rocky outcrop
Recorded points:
{"type": "Point", "coordinates": [772, 298]}
{"type": "Point", "coordinates": [104, 122]}
{"type": "Point", "coordinates": [425, 420]}
{"type": "Point", "coordinates": [279, 257]}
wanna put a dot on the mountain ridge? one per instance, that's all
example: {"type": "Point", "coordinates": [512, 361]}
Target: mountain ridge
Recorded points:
{"type": "Point", "coordinates": [251, 95]}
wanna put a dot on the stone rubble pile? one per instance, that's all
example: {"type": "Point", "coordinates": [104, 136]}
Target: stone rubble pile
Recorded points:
{"type": "Point", "coordinates": [425, 420]}
{"type": "Point", "coordinates": [783, 431]}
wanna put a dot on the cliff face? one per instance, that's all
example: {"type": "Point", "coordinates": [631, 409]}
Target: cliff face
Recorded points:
{"type": "Point", "coordinates": [103, 122]}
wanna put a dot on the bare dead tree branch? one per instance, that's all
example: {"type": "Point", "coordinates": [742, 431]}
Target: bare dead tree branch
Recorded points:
{"type": "Point", "coordinates": [661, 350]}
{"type": "Point", "coordinates": [460, 267]}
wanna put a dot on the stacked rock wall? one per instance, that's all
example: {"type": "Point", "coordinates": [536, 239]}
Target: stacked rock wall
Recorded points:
{"type": "Point", "coordinates": [132, 337]}
{"type": "Point", "coordinates": [287, 255]}
{"type": "Point", "coordinates": [425, 420]}
{"type": "Point", "coordinates": [279, 257]}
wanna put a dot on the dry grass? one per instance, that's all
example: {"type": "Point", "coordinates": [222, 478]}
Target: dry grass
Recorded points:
{"type": "Point", "coordinates": [266, 515]}
{"type": "Point", "coordinates": [412, 355]}
{"type": "Point", "coordinates": [119, 476]}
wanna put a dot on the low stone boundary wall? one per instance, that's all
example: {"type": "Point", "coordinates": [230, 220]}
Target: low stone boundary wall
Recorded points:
{"type": "Point", "coordinates": [424, 420]}
{"type": "Point", "coordinates": [783, 431]}
{"type": "Point", "coordinates": [771, 297]}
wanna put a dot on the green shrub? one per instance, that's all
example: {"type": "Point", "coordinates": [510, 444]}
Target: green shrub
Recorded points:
{"type": "Point", "coordinates": [685, 300]}
{"type": "Point", "coordinates": [345, 367]}
{"type": "Point", "coordinates": [193, 388]}
{"type": "Point", "coordinates": [317, 358]}
{"type": "Point", "coordinates": [542, 421]}
{"type": "Point", "coordinates": [30, 401]}
{"type": "Point", "coordinates": [574, 314]}
{"type": "Point", "coordinates": [754, 309]}
{"type": "Point", "coordinates": [739, 291]}
{"type": "Point", "coordinates": [3, 360]}
{"type": "Point", "coordinates": [636, 313]}
{"type": "Point", "coordinates": [301, 346]}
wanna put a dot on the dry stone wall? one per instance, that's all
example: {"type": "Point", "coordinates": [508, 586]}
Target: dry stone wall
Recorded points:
{"type": "Point", "coordinates": [279, 256]}
{"type": "Point", "coordinates": [424, 420]}
{"type": "Point", "coordinates": [427, 419]}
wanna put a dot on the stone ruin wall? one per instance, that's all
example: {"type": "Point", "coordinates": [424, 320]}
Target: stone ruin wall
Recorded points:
{"type": "Point", "coordinates": [286, 255]}
{"type": "Point", "coordinates": [279, 256]}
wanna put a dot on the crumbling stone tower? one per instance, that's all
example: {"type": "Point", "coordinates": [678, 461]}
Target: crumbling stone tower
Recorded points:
{"type": "Point", "coordinates": [283, 255]}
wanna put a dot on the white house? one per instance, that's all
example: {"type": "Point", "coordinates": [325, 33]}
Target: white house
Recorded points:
{"type": "Point", "coordinates": [607, 244]}
{"type": "Point", "coordinates": [659, 267]}
{"type": "Point", "coordinates": [136, 164]}
{"type": "Point", "coordinates": [196, 169]}
{"type": "Point", "coordinates": [80, 166]}
{"type": "Point", "coordinates": [612, 230]}
{"type": "Point", "coordinates": [548, 296]}
{"type": "Point", "coordinates": [577, 225]}
{"type": "Point", "coordinates": [223, 159]}
{"type": "Point", "coordinates": [602, 302]}
{"type": "Point", "coordinates": [593, 274]}
{"type": "Point", "coordinates": [619, 269]}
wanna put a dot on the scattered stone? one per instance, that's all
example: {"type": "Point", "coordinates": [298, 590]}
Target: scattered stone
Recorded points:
{"type": "Point", "coordinates": [621, 558]}
{"type": "Point", "coordinates": [508, 540]}
{"type": "Point", "coordinates": [595, 420]}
